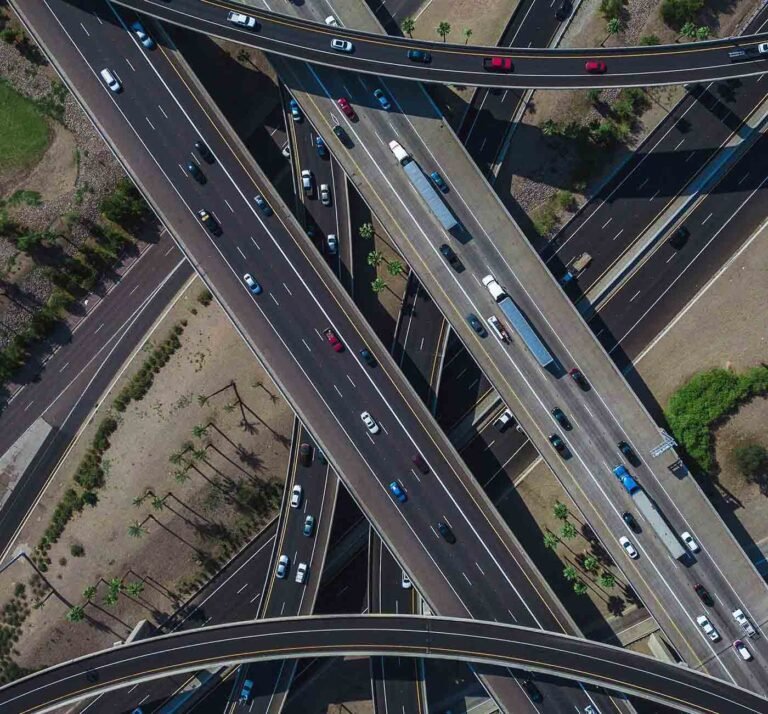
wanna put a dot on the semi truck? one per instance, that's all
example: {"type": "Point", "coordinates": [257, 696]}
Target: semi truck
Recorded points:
{"type": "Point", "coordinates": [651, 513]}
{"type": "Point", "coordinates": [518, 322]}
{"type": "Point", "coordinates": [422, 184]}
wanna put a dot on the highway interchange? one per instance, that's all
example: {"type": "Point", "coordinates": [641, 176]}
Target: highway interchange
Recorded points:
{"type": "Point", "coordinates": [170, 79]}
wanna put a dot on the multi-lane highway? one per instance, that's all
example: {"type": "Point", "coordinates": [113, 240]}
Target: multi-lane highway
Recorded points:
{"type": "Point", "coordinates": [459, 64]}
{"type": "Point", "coordinates": [409, 636]}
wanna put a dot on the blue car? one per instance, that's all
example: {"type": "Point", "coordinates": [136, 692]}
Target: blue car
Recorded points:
{"type": "Point", "coordinates": [382, 99]}
{"type": "Point", "coordinates": [438, 180]}
{"type": "Point", "coordinates": [253, 286]}
{"type": "Point", "coordinates": [309, 526]}
{"type": "Point", "coordinates": [397, 491]}
{"type": "Point", "coordinates": [146, 41]}
{"type": "Point", "coordinates": [293, 105]}
{"type": "Point", "coordinates": [322, 149]}
{"type": "Point", "coordinates": [245, 692]}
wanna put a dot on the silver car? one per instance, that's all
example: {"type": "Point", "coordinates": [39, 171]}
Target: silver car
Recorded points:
{"type": "Point", "coordinates": [325, 194]}
{"type": "Point", "coordinates": [333, 244]}
{"type": "Point", "coordinates": [238, 18]}
{"type": "Point", "coordinates": [370, 424]}
{"type": "Point", "coordinates": [307, 181]}
{"type": "Point", "coordinates": [342, 45]}
{"type": "Point", "coordinates": [282, 566]}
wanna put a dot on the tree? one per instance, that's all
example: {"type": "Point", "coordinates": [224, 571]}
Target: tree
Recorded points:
{"type": "Point", "coordinates": [591, 564]}
{"type": "Point", "coordinates": [76, 614]}
{"type": "Point", "coordinates": [181, 475]}
{"type": "Point", "coordinates": [375, 258]}
{"type": "Point", "coordinates": [560, 510]}
{"type": "Point", "coordinates": [649, 40]}
{"type": "Point", "coordinates": [550, 128]}
{"type": "Point", "coordinates": [378, 285]}
{"type": "Point", "coordinates": [111, 598]}
{"type": "Point", "coordinates": [198, 454]}
{"type": "Point", "coordinates": [593, 95]}
{"type": "Point", "coordinates": [702, 33]}
{"type": "Point", "coordinates": [444, 29]}
{"type": "Point", "coordinates": [610, 9]}
{"type": "Point", "coordinates": [551, 540]}
{"type": "Point", "coordinates": [135, 588]}
{"type": "Point", "coordinates": [688, 30]}
{"type": "Point", "coordinates": [138, 500]}
{"type": "Point", "coordinates": [366, 231]}
{"type": "Point", "coordinates": [467, 35]}
{"type": "Point", "coordinates": [89, 592]}
{"type": "Point", "coordinates": [569, 573]}
{"type": "Point", "coordinates": [202, 399]}
{"type": "Point", "coordinates": [136, 530]}
{"type": "Point", "coordinates": [568, 531]}
{"type": "Point", "coordinates": [158, 503]}
{"type": "Point", "coordinates": [199, 431]}
{"type": "Point", "coordinates": [579, 587]}
{"type": "Point", "coordinates": [115, 585]}
{"type": "Point", "coordinates": [395, 268]}
{"type": "Point", "coordinates": [676, 13]}
{"type": "Point", "coordinates": [607, 580]}
{"type": "Point", "coordinates": [124, 205]}
{"type": "Point", "coordinates": [752, 462]}
{"type": "Point", "coordinates": [408, 26]}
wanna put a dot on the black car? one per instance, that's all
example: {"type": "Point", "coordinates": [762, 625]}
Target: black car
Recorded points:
{"type": "Point", "coordinates": [305, 454]}
{"type": "Point", "coordinates": [476, 325]}
{"type": "Point", "coordinates": [564, 10]}
{"type": "Point", "coordinates": [559, 415]}
{"type": "Point", "coordinates": [445, 531]}
{"type": "Point", "coordinates": [703, 593]}
{"type": "Point", "coordinates": [678, 238]}
{"type": "Point", "coordinates": [367, 357]}
{"type": "Point", "coordinates": [531, 690]}
{"type": "Point", "coordinates": [196, 172]}
{"type": "Point", "coordinates": [204, 151]}
{"type": "Point", "coordinates": [578, 377]}
{"type": "Point", "coordinates": [453, 259]}
{"type": "Point", "coordinates": [341, 132]}
{"type": "Point", "coordinates": [629, 519]}
{"type": "Point", "coordinates": [557, 442]}
{"type": "Point", "coordinates": [261, 202]}
{"type": "Point", "coordinates": [629, 452]}
{"type": "Point", "coordinates": [209, 222]}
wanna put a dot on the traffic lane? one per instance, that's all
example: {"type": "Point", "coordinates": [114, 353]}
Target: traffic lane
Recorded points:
{"type": "Point", "coordinates": [492, 452]}
{"type": "Point", "coordinates": [458, 64]}
{"type": "Point", "coordinates": [417, 636]}
{"type": "Point", "coordinates": [669, 278]}
{"type": "Point", "coordinates": [345, 233]}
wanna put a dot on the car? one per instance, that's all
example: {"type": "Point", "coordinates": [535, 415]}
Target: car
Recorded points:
{"type": "Point", "coordinates": [531, 690]}
{"type": "Point", "coordinates": [309, 526]}
{"type": "Point", "coordinates": [437, 179]}
{"type": "Point", "coordinates": [322, 149]}
{"type": "Point", "coordinates": [333, 340]}
{"type": "Point", "coordinates": [740, 647]}
{"type": "Point", "coordinates": [283, 564]}
{"type": "Point", "coordinates": [397, 491]}
{"type": "Point", "coordinates": [242, 20]}
{"type": "Point", "coordinates": [703, 593]}
{"type": "Point", "coordinates": [595, 67]}
{"type": "Point", "coordinates": [498, 64]}
{"type": "Point", "coordinates": [196, 172]}
{"type": "Point", "coordinates": [690, 543]}
{"type": "Point", "coordinates": [476, 325]}
{"type": "Point", "coordinates": [346, 107]}
{"type": "Point", "coordinates": [146, 41]}
{"type": "Point", "coordinates": [301, 573]}
{"type": "Point", "coordinates": [445, 530]}
{"type": "Point", "coordinates": [453, 260]}
{"type": "Point", "coordinates": [325, 194]}
{"type": "Point", "coordinates": [371, 425]}
{"type": "Point", "coordinates": [405, 581]}
{"type": "Point", "coordinates": [286, 150]}
{"type": "Point", "coordinates": [331, 21]}
{"type": "Point", "coordinates": [307, 181]}
{"type": "Point", "coordinates": [261, 202]}
{"type": "Point", "coordinates": [137, 710]}
{"type": "Point", "coordinates": [679, 237]}
{"type": "Point", "coordinates": [578, 377]}
{"type": "Point", "coordinates": [419, 56]}
{"type": "Point", "coordinates": [564, 10]}
{"type": "Point", "coordinates": [342, 45]}
{"type": "Point", "coordinates": [332, 243]}
{"type": "Point", "coordinates": [245, 692]}
{"type": "Point", "coordinates": [708, 628]}
{"type": "Point", "coordinates": [497, 328]}
{"type": "Point", "coordinates": [561, 419]}
{"type": "Point", "coordinates": [628, 547]}
{"type": "Point", "coordinates": [111, 81]}
{"type": "Point", "coordinates": [252, 284]}
{"type": "Point", "coordinates": [557, 442]}
{"type": "Point", "coordinates": [418, 461]}
{"type": "Point", "coordinates": [341, 133]}
{"type": "Point", "coordinates": [367, 357]}
{"type": "Point", "coordinates": [297, 493]}
{"type": "Point", "coordinates": [629, 452]}
{"type": "Point", "coordinates": [204, 151]}
{"type": "Point", "coordinates": [631, 521]}
{"type": "Point", "coordinates": [504, 421]}
{"type": "Point", "coordinates": [382, 99]}
{"type": "Point", "coordinates": [209, 222]}
{"type": "Point", "coordinates": [296, 114]}
{"type": "Point", "coordinates": [305, 454]}
{"type": "Point", "coordinates": [762, 48]}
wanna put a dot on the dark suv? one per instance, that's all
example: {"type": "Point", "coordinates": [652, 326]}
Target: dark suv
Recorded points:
{"type": "Point", "coordinates": [209, 222]}
{"type": "Point", "coordinates": [629, 452]}
{"type": "Point", "coordinates": [679, 237]}
{"type": "Point", "coordinates": [703, 593]}
{"type": "Point", "coordinates": [445, 531]}
{"type": "Point", "coordinates": [563, 420]}
{"type": "Point", "coordinates": [564, 10]}
{"type": "Point", "coordinates": [629, 519]}
{"type": "Point", "coordinates": [447, 252]}
{"type": "Point", "coordinates": [305, 454]}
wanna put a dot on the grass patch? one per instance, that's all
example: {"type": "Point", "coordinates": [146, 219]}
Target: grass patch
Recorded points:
{"type": "Point", "coordinates": [24, 132]}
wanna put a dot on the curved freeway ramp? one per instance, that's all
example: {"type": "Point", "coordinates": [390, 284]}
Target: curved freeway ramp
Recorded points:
{"type": "Point", "coordinates": [387, 635]}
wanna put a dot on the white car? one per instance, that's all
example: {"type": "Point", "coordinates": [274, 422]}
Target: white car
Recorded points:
{"type": "Point", "coordinates": [405, 581]}
{"type": "Point", "coordinates": [373, 427]}
{"type": "Point", "coordinates": [691, 544]}
{"type": "Point", "coordinates": [238, 18]}
{"type": "Point", "coordinates": [331, 21]}
{"type": "Point", "coordinates": [286, 151]}
{"type": "Point", "coordinates": [627, 545]}
{"type": "Point", "coordinates": [342, 45]}
{"type": "Point", "coordinates": [325, 194]}
{"type": "Point", "coordinates": [741, 648]}
{"type": "Point", "coordinates": [333, 244]}
{"type": "Point", "coordinates": [762, 48]}
{"type": "Point", "coordinates": [111, 81]}
{"type": "Point", "coordinates": [306, 181]}
{"type": "Point", "coordinates": [706, 625]}
{"type": "Point", "coordinates": [301, 573]}
{"type": "Point", "coordinates": [296, 496]}
{"type": "Point", "coordinates": [282, 566]}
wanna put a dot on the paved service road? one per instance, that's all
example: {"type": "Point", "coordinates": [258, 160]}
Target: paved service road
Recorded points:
{"type": "Point", "coordinates": [409, 636]}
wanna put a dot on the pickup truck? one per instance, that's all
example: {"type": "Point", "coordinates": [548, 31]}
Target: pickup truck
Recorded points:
{"type": "Point", "coordinates": [745, 624]}
{"type": "Point", "coordinates": [498, 64]}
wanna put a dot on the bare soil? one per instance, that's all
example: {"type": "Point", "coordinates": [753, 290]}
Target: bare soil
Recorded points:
{"type": "Point", "coordinates": [190, 525]}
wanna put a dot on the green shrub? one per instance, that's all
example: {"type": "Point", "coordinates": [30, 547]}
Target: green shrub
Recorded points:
{"type": "Point", "coordinates": [124, 205]}
{"type": "Point", "coordinates": [649, 40]}
{"type": "Point", "coordinates": [676, 13]}
{"type": "Point", "coordinates": [30, 198]}
{"type": "Point", "coordinates": [611, 9]}
{"type": "Point", "coordinates": [205, 297]}
{"type": "Point", "coordinates": [107, 427]}
{"type": "Point", "coordinates": [77, 550]}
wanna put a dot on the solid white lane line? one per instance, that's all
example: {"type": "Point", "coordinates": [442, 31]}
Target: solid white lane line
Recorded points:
{"type": "Point", "coordinates": [242, 588]}
{"type": "Point", "coordinates": [634, 296]}
{"type": "Point", "coordinates": [229, 206]}
{"type": "Point", "coordinates": [607, 222]}
{"type": "Point", "coordinates": [64, 367]}
{"type": "Point", "coordinates": [306, 345]}
{"type": "Point", "coordinates": [129, 64]}
{"type": "Point", "coordinates": [338, 391]}
{"type": "Point", "coordinates": [274, 298]}
{"type": "Point", "coordinates": [152, 125]}
{"type": "Point", "coordinates": [253, 240]}
{"type": "Point", "coordinates": [351, 382]}
{"type": "Point", "coordinates": [162, 110]}
{"type": "Point", "coordinates": [84, 30]}
{"type": "Point", "coordinates": [706, 219]}
{"type": "Point", "coordinates": [618, 234]}
{"type": "Point", "coordinates": [466, 578]}
{"type": "Point", "coordinates": [287, 289]}
{"type": "Point", "coordinates": [96, 331]}
{"type": "Point", "coordinates": [239, 250]}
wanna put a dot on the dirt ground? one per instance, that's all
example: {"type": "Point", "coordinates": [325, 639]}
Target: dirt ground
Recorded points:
{"type": "Point", "coordinates": [191, 523]}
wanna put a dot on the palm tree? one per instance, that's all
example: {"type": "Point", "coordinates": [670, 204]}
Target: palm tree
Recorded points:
{"type": "Point", "coordinates": [560, 510]}
{"type": "Point", "coordinates": [89, 592]}
{"type": "Point", "coordinates": [76, 614]}
{"type": "Point", "coordinates": [375, 258]}
{"type": "Point", "coordinates": [366, 231]}
{"type": "Point", "coordinates": [551, 540]}
{"type": "Point", "coordinates": [202, 399]}
{"type": "Point", "coordinates": [607, 580]}
{"type": "Point", "coordinates": [591, 564]}
{"type": "Point", "coordinates": [199, 431]}
{"type": "Point", "coordinates": [115, 585]}
{"type": "Point", "coordinates": [569, 573]}
{"type": "Point", "coordinates": [467, 35]}
{"type": "Point", "coordinates": [568, 531]}
{"type": "Point", "coordinates": [229, 407]}
{"type": "Point", "coordinates": [136, 530]}
{"type": "Point", "coordinates": [158, 503]}
{"type": "Point", "coordinates": [443, 29]}
{"type": "Point", "coordinates": [181, 475]}
{"type": "Point", "coordinates": [579, 587]}
{"type": "Point", "coordinates": [702, 33]}
{"type": "Point", "coordinates": [135, 588]}
{"type": "Point", "coordinates": [198, 454]}
{"type": "Point", "coordinates": [378, 285]}
{"type": "Point", "coordinates": [408, 25]}
{"type": "Point", "coordinates": [395, 268]}
{"type": "Point", "coordinates": [175, 457]}
{"type": "Point", "coordinates": [111, 598]}
{"type": "Point", "coordinates": [138, 500]}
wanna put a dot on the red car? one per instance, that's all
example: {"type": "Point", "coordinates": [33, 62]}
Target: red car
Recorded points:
{"type": "Point", "coordinates": [334, 341]}
{"type": "Point", "coordinates": [596, 67]}
{"type": "Point", "coordinates": [498, 64]}
{"type": "Point", "coordinates": [346, 107]}
{"type": "Point", "coordinates": [579, 378]}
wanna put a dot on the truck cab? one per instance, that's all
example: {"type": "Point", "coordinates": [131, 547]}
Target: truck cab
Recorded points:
{"type": "Point", "coordinates": [496, 291]}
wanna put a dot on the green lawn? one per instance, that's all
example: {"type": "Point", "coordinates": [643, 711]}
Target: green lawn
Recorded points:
{"type": "Point", "coordinates": [24, 132]}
